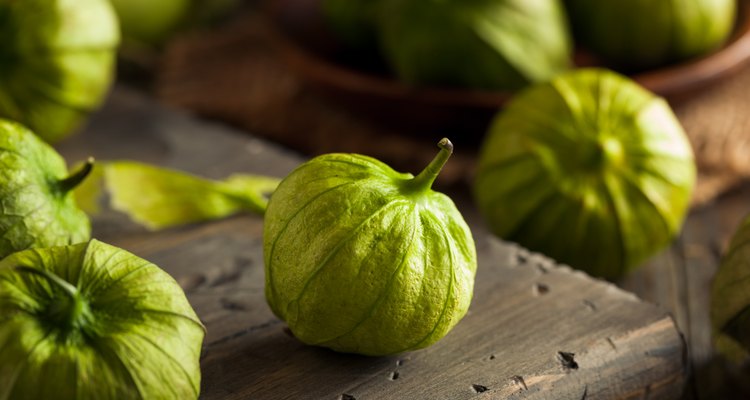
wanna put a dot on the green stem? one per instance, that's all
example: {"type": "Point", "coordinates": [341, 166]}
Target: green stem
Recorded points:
{"type": "Point", "coordinates": [427, 177]}
{"type": "Point", "coordinates": [77, 177]}
{"type": "Point", "coordinates": [75, 312]}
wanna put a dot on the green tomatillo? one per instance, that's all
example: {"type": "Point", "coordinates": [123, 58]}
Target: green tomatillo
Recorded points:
{"type": "Point", "coordinates": [481, 44]}
{"type": "Point", "coordinates": [56, 62]}
{"type": "Point", "coordinates": [640, 34]}
{"type": "Point", "coordinates": [590, 169]}
{"type": "Point", "coordinates": [38, 208]}
{"type": "Point", "coordinates": [360, 258]}
{"type": "Point", "coordinates": [92, 321]}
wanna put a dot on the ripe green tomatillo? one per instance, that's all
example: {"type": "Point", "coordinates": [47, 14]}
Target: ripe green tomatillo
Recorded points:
{"type": "Point", "coordinates": [590, 169]}
{"type": "Point", "coordinates": [56, 62]}
{"type": "Point", "coordinates": [38, 208]}
{"type": "Point", "coordinates": [360, 258]}
{"type": "Point", "coordinates": [91, 321]}
{"type": "Point", "coordinates": [640, 34]}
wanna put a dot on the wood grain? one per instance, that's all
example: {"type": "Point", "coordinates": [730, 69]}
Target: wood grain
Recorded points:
{"type": "Point", "coordinates": [679, 279]}
{"type": "Point", "coordinates": [535, 330]}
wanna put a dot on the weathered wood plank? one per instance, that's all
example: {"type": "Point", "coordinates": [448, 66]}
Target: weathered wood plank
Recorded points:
{"type": "Point", "coordinates": [680, 278]}
{"type": "Point", "coordinates": [535, 330]}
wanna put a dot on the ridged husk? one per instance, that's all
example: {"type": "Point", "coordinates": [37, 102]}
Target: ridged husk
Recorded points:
{"type": "Point", "coordinates": [589, 169]}
{"type": "Point", "coordinates": [56, 62]}
{"type": "Point", "coordinates": [137, 338]}
{"type": "Point", "coordinates": [35, 211]}
{"type": "Point", "coordinates": [359, 261]}
{"type": "Point", "coordinates": [639, 34]}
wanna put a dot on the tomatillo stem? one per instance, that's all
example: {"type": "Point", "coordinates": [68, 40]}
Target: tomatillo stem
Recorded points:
{"type": "Point", "coordinates": [427, 177]}
{"type": "Point", "coordinates": [74, 313]}
{"type": "Point", "coordinates": [77, 177]}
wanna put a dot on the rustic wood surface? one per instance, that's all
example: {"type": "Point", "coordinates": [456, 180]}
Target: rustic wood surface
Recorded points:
{"type": "Point", "coordinates": [679, 279]}
{"type": "Point", "coordinates": [535, 330]}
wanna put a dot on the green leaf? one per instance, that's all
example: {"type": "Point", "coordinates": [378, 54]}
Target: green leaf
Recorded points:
{"type": "Point", "coordinates": [159, 198]}
{"type": "Point", "coordinates": [88, 194]}
{"type": "Point", "coordinates": [136, 336]}
{"type": "Point", "coordinates": [253, 189]}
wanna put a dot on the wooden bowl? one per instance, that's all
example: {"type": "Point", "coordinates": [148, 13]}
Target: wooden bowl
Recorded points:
{"type": "Point", "coordinates": [366, 88]}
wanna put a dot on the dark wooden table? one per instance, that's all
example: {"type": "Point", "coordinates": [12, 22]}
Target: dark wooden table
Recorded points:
{"type": "Point", "coordinates": [526, 310]}
{"type": "Point", "coordinates": [535, 330]}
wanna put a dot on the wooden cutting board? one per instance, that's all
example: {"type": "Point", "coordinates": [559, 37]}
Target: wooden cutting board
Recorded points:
{"type": "Point", "coordinates": [535, 330]}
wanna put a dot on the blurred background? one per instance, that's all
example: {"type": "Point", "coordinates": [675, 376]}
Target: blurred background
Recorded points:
{"type": "Point", "coordinates": [280, 70]}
